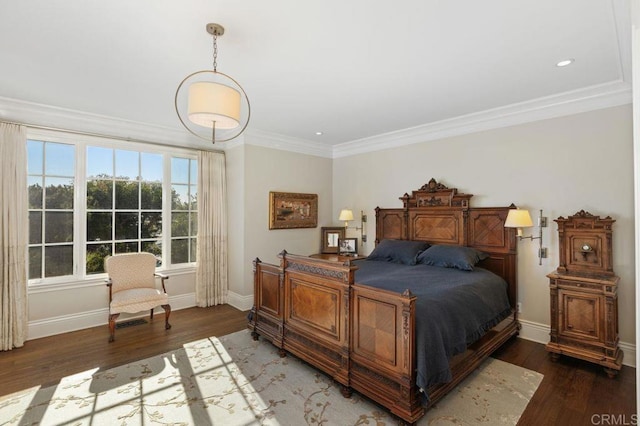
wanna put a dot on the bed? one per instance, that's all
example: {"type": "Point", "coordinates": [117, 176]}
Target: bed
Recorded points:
{"type": "Point", "coordinates": [361, 321]}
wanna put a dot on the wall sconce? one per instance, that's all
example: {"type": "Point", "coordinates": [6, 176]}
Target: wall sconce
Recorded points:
{"type": "Point", "coordinates": [522, 219]}
{"type": "Point", "coordinates": [346, 215]}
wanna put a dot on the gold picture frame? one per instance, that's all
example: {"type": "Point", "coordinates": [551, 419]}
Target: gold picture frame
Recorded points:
{"type": "Point", "coordinates": [289, 210]}
{"type": "Point", "coordinates": [330, 238]}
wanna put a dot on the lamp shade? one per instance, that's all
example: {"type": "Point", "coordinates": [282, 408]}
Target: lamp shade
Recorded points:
{"type": "Point", "coordinates": [346, 215]}
{"type": "Point", "coordinates": [211, 103]}
{"type": "Point", "coordinates": [518, 219]}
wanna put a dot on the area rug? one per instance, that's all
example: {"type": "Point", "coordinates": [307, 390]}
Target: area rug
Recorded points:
{"type": "Point", "coordinates": [233, 380]}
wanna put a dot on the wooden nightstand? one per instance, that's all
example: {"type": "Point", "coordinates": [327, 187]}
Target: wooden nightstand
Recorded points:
{"type": "Point", "coordinates": [335, 257]}
{"type": "Point", "coordinates": [584, 293]}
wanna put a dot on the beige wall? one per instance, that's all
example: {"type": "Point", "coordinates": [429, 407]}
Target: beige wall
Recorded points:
{"type": "Point", "coordinates": [268, 170]}
{"type": "Point", "coordinates": [236, 213]}
{"type": "Point", "coordinates": [560, 165]}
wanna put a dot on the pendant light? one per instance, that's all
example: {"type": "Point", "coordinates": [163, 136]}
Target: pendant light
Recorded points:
{"type": "Point", "coordinates": [210, 104]}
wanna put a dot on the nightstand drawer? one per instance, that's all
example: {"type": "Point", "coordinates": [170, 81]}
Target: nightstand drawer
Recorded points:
{"type": "Point", "coordinates": [581, 286]}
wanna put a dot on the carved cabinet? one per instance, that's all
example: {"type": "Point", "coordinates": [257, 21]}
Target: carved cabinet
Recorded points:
{"type": "Point", "coordinates": [584, 293]}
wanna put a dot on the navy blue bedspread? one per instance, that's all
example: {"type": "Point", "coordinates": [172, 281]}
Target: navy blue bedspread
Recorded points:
{"type": "Point", "coordinates": [453, 309]}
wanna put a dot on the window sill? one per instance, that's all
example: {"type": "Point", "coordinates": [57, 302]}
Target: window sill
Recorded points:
{"type": "Point", "coordinates": [95, 280]}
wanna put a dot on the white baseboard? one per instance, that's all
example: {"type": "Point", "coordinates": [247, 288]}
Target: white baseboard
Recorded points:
{"type": "Point", "coordinates": [66, 323]}
{"type": "Point", "coordinates": [242, 303]}
{"type": "Point", "coordinates": [534, 331]}
{"type": "Point", "coordinates": [539, 333]}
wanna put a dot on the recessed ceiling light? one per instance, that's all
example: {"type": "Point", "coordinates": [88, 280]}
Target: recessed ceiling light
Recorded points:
{"type": "Point", "coordinates": [565, 62]}
{"type": "Point", "coordinates": [318, 133]}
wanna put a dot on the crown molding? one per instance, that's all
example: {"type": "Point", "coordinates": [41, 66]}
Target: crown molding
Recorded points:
{"type": "Point", "coordinates": [34, 114]}
{"type": "Point", "coordinates": [286, 143]}
{"type": "Point", "coordinates": [574, 102]}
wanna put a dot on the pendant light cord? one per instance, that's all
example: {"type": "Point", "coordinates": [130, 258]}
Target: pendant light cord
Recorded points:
{"type": "Point", "coordinates": [215, 52]}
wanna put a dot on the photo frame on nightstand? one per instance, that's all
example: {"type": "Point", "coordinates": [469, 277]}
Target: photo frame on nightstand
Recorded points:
{"type": "Point", "coordinates": [348, 246]}
{"type": "Point", "coordinates": [330, 237]}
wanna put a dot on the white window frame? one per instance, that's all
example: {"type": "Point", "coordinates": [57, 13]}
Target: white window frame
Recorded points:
{"type": "Point", "coordinates": [189, 211]}
{"type": "Point", "coordinates": [44, 209]}
{"type": "Point", "coordinates": [80, 278]}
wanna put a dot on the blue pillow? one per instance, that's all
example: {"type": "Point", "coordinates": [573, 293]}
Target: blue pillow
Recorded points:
{"type": "Point", "coordinates": [460, 257]}
{"type": "Point", "coordinates": [398, 251]}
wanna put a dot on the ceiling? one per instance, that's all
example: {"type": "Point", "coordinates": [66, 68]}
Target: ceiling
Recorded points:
{"type": "Point", "coordinates": [350, 69]}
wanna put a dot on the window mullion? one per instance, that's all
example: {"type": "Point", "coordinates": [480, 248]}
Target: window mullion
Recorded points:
{"type": "Point", "coordinates": [42, 224]}
{"type": "Point", "coordinates": [138, 179]}
{"type": "Point", "coordinates": [80, 212]}
{"type": "Point", "coordinates": [166, 210]}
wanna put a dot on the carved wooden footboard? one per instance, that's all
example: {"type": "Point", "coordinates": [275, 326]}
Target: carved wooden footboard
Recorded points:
{"type": "Point", "coordinates": [362, 337]}
{"type": "Point", "coordinates": [307, 312]}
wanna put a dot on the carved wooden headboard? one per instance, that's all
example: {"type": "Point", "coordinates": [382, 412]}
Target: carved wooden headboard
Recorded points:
{"type": "Point", "coordinates": [440, 215]}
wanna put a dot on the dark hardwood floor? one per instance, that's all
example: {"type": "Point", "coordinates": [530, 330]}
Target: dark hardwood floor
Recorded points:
{"type": "Point", "coordinates": [45, 361]}
{"type": "Point", "coordinates": [572, 392]}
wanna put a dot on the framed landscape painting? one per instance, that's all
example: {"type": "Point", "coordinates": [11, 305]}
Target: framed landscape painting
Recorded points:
{"type": "Point", "coordinates": [292, 210]}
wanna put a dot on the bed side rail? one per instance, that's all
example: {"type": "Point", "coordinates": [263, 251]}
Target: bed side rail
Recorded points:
{"type": "Point", "coordinates": [267, 315]}
{"type": "Point", "coordinates": [382, 349]}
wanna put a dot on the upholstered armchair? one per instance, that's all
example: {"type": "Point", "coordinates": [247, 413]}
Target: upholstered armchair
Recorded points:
{"type": "Point", "coordinates": [132, 287]}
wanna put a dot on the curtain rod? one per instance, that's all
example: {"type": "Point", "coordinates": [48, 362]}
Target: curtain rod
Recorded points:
{"type": "Point", "coordinates": [94, 134]}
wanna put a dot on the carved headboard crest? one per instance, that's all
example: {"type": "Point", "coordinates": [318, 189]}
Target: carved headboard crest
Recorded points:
{"type": "Point", "coordinates": [584, 214]}
{"type": "Point", "coordinates": [435, 194]}
{"type": "Point", "coordinates": [433, 186]}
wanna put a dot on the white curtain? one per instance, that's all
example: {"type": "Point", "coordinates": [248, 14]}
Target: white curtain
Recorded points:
{"type": "Point", "coordinates": [13, 236]}
{"type": "Point", "coordinates": [212, 284]}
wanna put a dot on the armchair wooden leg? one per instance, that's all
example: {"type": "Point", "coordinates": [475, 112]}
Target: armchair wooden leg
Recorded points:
{"type": "Point", "coordinates": [112, 326]}
{"type": "Point", "coordinates": [151, 315]}
{"type": "Point", "coordinates": [167, 313]}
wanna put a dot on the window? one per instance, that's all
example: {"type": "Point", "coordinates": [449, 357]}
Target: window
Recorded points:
{"type": "Point", "coordinates": [124, 204]}
{"type": "Point", "coordinates": [88, 201]}
{"type": "Point", "coordinates": [51, 177]}
{"type": "Point", "coordinates": [184, 216]}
